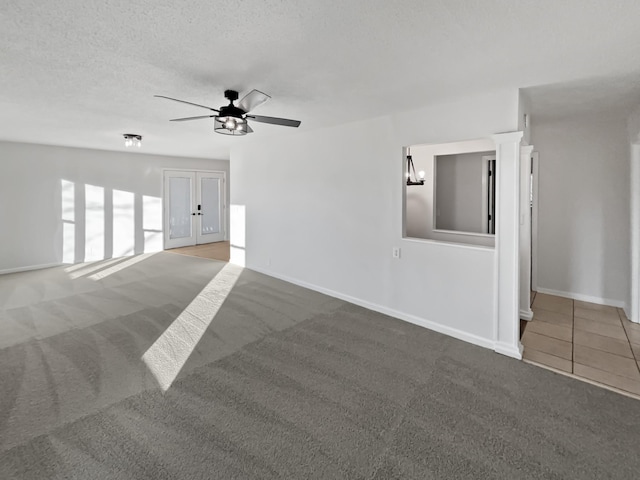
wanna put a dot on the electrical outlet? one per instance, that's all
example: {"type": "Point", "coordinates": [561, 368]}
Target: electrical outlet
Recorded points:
{"type": "Point", "coordinates": [395, 252]}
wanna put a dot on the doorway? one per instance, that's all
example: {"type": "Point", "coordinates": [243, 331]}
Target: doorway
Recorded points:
{"type": "Point", "coordinates": [533, 205]}
{"type": "Point", "coordinates": [489, 194]}
{"type": "Point", "coordinates": [194, 208]}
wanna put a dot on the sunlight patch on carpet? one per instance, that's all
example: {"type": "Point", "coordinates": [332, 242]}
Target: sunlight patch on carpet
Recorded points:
{"type": "Point", "coordinates": [166, 357]}
{"type": "Point", "coordinates": [120, 266]}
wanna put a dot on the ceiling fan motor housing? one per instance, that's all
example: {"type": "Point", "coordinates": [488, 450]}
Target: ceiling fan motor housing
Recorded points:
{"type": "Point", "coordinates": [232, 111]}
{"type": "Point", "coordinates": [230, 119]}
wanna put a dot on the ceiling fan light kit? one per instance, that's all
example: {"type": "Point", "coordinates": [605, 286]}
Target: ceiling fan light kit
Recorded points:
{"type": "Point", "coordinates": [132, 140]}
{"type": "Point", "coordinates": [233, 120]}
{"type": "Point", "coordinates": [230, 126]}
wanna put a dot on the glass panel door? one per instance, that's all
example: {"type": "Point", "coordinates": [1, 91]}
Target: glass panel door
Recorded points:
{"type": "Point", "coordinates": [210, 221]}
{"type": "Point", "coordinates": [179, 209]}
{"type": "Point", "coordinates": [210, 207]}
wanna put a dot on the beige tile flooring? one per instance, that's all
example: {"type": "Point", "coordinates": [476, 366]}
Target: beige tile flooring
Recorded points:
{"type": "Point", "coordinates": [588, 341]}
{"type": "Point", "coordinates": [215, 251]}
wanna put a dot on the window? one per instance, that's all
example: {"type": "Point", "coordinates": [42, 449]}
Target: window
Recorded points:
{"type": "Point", "coordinates": [457, 201]}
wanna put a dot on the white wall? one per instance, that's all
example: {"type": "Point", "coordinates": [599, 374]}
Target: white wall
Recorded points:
{"type": "Point", "coordinates": [324, 209]}
{"type": "Point", "coordinates": [583, 198]}
{"type": "Point", "coordinates": [419, 199]}
{"type": "Point", "coordinates": [106, 195]}
{"type": "Point", "coordinates": [633, 124]}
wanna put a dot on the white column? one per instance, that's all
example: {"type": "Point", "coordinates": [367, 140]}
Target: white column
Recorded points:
{"type": "Point", "coordinates": [525, 232]}
{"type": "Point", "coordinates": [507, 249]}
{"type": "Point", "coordinates": [635, 233]}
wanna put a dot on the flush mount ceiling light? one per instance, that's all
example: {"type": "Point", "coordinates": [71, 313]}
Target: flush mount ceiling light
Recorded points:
{"type": "Point", "coordinates": [132, 140]}
{"type": "Point", "coordinates": [232, 119]}
{"type": "Point", "coordinates": [412, 169]}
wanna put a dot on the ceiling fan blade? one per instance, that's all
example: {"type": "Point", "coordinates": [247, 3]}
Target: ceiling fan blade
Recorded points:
{"type": "Point", "coordinates": [285, 122]}
{"type": "Point", "coordinates": [190, 118]}
{"type": "Point", "coordinates": [253, 99]}
{"type": "Point", "coordinates": [188, 103]}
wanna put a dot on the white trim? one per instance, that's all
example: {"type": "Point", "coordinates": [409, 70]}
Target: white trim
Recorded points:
{"type": "Point", "coordinates": [507, 137]}
{"type": "Point", "coordinates": [525, 231]}
{"type": "Point", "coordinates": [509, 350]}
{"type": "Point", "coordinates": [526, 315]}
{"type": "Point", "coordinates": [28, 268]}
{"type": "Point", "coordinates": [627, 312]}
{"type": "Point", "coordinates": [469, 234]}
{"type": "Point", "coordinates": [484, 211]}
{"type": "Point", "coordinates": [634, 220]}
{"type": "Point", "coordinates": [584, 298]}
{"type": "Point", "coordinates": [173, 169]}
{"type": "Point", "coordinates": [448, 244]}
{"type": "Point", "coordinates": [496, 266]}
{"type": "Point", "coordinates": [437, 327]}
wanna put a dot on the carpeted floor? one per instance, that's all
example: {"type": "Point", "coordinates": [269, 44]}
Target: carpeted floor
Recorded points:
{"type": "Point", "coordinates": [275, 381]}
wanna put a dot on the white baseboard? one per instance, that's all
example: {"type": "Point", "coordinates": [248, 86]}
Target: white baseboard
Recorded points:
{"type": "Point", "coordinates": [509, 350]}
{"type": "Point", "coordinates": [437, 327]}
{"type": "Point", "coordinates": [526, 315]}
{"type": "Point", "coordinates": [583, 298]}
{"type": "Point", "coordinates": [30, 267]}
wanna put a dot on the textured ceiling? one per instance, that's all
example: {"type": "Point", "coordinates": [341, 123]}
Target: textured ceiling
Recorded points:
{"type": "Point", "coordinates": [81, 73]}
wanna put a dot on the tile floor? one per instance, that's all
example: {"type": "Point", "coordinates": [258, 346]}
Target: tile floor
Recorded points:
{"type": "Point", "coordinates": [589, 341]}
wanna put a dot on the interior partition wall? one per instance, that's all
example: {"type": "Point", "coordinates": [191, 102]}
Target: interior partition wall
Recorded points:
{"type": "Point", "coordinates": [507, 250]}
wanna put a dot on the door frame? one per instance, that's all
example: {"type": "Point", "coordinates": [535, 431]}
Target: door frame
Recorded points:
{"type": "Point", "coordinates": [194, 171]}
{"type": "Point", "coordinates": [534, 221]}
{"type": "Point", "coordinates": [488, 190]}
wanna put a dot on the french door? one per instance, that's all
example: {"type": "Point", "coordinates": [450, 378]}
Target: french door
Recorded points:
{"type": "Point", "coordinates": [194, 208]}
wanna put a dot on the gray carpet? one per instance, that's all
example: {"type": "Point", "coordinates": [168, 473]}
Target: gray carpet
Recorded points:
{"type": "Point", "coordinates": [283, 383]}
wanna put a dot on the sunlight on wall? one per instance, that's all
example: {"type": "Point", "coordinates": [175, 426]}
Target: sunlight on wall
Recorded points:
{"type": "Point", "coordinates": [107, 224]}
{"type": "Point", "coordinates": [68, 221]}
{"type": "Point", "coordinates": [120, 266]}
{"type": "Point", "coordinates": [94, 223]}
{"type": "Point", "coordinates": [237, 227]}
{"type": "Point", "coordinates": [123, 223]}
{"type": "Point", "coordinates": [166, 357]}
{"type": "Point", "coordinates": [152, 223]}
